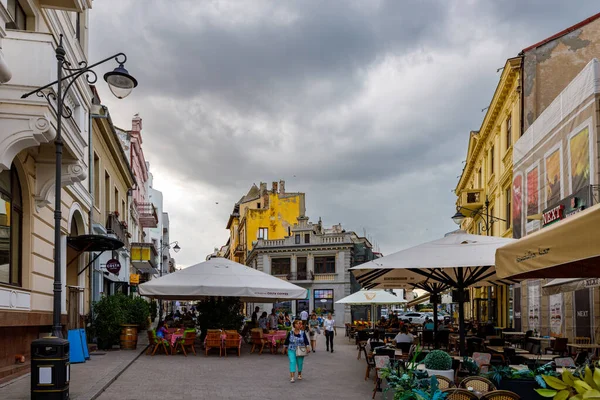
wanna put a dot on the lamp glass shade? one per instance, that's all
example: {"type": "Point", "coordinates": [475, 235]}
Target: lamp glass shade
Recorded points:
{"type": "Point", "coordinates": [120, 82]}
{"type": "Point", "coordinates": [458, 218]}
{"type": "Point", "coordinates": [176, 248]}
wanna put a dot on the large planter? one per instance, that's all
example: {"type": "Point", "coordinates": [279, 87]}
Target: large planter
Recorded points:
{"type": "Point", "coordinates": [523, 387]}
{"type": "Point", "coordinates": [129, 336]}
{"type": "Point", "coordinates": [448, 373]}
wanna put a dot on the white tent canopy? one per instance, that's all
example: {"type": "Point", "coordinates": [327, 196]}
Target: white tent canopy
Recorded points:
{"type": "Point", "coordinates": [220, 277]}
{"type": "Point", "coordinates": [368, 297]}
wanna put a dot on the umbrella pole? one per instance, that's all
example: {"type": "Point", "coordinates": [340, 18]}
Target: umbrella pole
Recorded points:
{"type": "Point", "coordinates": [435, 322]}
{"type": "Point", "coordinates": [461, 321]}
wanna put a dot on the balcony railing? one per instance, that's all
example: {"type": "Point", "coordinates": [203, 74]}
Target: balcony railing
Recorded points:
{"type": "Point", "coordinates": [296, 276]}
{"type": "Point", "coordinates": [239, 250]}
{"type": "Point", "coordinates": [315, 240]}
{"type": "Point", "coordinates": [147, 215]}
{"type": "Point", "coordinates": [325, 277]}
{"type": "Point", "coordinates": [117, 228]}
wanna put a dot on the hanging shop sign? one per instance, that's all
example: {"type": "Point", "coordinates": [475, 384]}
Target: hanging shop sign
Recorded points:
{"type": "Point", "coordinates": [134, 279]}
{"type": "Point", "coordinates": [113, 266]}
{"type": "Point", "coordinates": [554, 214]}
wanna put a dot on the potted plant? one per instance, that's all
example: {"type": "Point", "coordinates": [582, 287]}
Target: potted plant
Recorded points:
{"type": "Point", "coordinates": [584, 386]}
{"type": "Point", "coordinates": [523, 382]}
{"type": "Point", "coordinates": [108, 317]}
{"type": "Point", "coordinates": [438, 362]}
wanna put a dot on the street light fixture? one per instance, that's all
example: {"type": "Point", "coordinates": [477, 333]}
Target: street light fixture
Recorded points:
{"type": "Point", "coordinates": [489, 220]}
{"type": "Point", "coordinates": [120, 84]}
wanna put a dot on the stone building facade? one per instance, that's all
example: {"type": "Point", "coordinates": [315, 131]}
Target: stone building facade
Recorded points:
{"type": "Point", "coordinates": [317, 259]}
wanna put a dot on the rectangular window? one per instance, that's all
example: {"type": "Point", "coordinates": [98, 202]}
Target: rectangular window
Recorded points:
{"type": "Point", "coordinates": [281, 266]}
{"type": "Point", "coordinates": [325, 265]}
{"type": "Point", "coordinates": [509, 131]}
{"type": "Point", "coordinates": [17, 14]}
{"type": "Point", "coordinates": [324, 300]}
{"type": "Point", "coordinates": [257, 205]}
{"type": "Point", "coordinates": [116, 203]}
{"type": "Point", "coordinates": [301, 269]}
{"type": "Point", "coordinates": [508, 196]}
{"type": "Point", "coordinates": [307, 238]}
{"type": "Point", "coordinates": [106, 193]}
{"type": "Point", "coordinates": [492, 161]}
{"type": "Point", "coordinates": [96, 180]}
{"type": "Point", "coordinates": [297, 241]}
{"type": "Point", "coordinates": [263, 233]}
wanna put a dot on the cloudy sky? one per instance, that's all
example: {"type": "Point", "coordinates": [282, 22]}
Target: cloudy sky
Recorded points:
{"type": "Point", "coordinates": [365, 106]}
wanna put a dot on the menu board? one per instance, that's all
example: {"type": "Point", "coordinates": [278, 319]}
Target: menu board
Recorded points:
{"type": "Point", "coordinates": [556, 314]}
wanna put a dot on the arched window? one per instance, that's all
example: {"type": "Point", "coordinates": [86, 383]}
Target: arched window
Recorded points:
{"type": "Point", "coordinates": [11, 222]}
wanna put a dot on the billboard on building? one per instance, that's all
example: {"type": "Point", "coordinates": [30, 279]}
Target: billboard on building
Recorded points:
{"type": "Point", "coordinates": [555, 157]}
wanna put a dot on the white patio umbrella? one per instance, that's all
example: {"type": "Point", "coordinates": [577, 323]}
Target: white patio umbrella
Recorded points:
{"type": "Point", "coordinates": [372, 298]}
{"type": "Point", "coordinates": [458, 260]}
{"type": "Point", "coordinates": [220, 277]}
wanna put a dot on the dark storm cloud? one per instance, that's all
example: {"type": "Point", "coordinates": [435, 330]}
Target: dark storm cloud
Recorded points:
{"type": "Point", "coordinates": [364, 105]}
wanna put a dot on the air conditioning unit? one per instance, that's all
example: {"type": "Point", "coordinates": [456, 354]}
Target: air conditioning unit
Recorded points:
{"type": "Point", "coordinates": [473, 199]}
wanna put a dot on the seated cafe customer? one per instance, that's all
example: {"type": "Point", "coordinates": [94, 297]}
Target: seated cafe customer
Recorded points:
{"type": "Point", "coordinates": [428, 326]}
{"type": "Point", "coordinates": [404, 336]}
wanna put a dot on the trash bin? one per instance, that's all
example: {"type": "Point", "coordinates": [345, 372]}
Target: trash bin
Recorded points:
{"type": "Point", "coordinates": [50, 368]}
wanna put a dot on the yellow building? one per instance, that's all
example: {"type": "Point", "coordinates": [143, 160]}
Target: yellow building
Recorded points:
{"type": "Point", "coordinates": [262, 214]}
{"type": "Point", "coordinates": [485, 184]}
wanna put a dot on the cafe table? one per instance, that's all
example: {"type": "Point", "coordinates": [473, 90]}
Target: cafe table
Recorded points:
{"type": "Point", "coordinates": [273, 337]}
{"type": "Point", "coordinates": [500, 349]}
{"type": "Point", "coordinates": [541, 357]}
{"type": "Point", "coordinates": [542, 339]}
{"type": "Point", "coordinates": [513, 334]}
{"type": "Point", "coordinates": [580, 347]}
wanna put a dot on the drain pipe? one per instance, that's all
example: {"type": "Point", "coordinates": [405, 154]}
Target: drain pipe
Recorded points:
{"type": "Point", "coordinates": [97, 110]}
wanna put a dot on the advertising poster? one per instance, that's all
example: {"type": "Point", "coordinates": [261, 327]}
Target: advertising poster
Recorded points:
{"type": "Point", "coordinates": [583, 315]}
{"type": "Point", "coordinates": [553, 178]}
{"type": "Point", "coordinates": [556, 314]}
{"type": "Point", "coordinates": [517, 205]}
{"type": "Point", "coordinates": [532, 192]}
{"type": "Point", "coordinates": [533, 298]}
{"type": "Point", "coordinates": [517, 308]}
{"type": "Point", "coordinates": [579, 159]}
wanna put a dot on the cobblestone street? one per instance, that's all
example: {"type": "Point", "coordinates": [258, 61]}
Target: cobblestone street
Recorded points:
{"type": "Point", "coordinates": [326, 376]}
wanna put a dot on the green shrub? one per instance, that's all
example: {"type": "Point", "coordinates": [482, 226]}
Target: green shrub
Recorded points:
{"type": "Point", "coordinates": [219, 313]}
{"type": "Point", "coordinates": [109, 314]}
{"type": "Point", "coordinates": [137, 312]}
{"type": "Point", "coordinates": [438, 360]}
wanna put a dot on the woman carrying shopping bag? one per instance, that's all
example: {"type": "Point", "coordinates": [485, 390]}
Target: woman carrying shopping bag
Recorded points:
{"type": "Point", "coordinates": [298, 347]}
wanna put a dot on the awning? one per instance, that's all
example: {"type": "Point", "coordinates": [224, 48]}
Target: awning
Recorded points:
{"type": "Point", "coordinates": [368, 297]}
{"type": "Point", "coordinates": [143, 257]}
{"type": "Point", "coordinates": [567, 249]}
{"type": "Point", "coordinates": [556, 286]}
{"type": "Point", "coordinates": [83, 243]}
{"type": "Point", "coordinates": [424, 298]}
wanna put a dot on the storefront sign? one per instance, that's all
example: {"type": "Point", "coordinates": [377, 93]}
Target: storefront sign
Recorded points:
{"type": "Point", "coordinates": [554, 214]}
{"type": "Point", "coordinates": [113, 266]}
{"type": "Point", "coordinates": [517, 308]}
{"type": "Point", "coordinates": [134, 279]}
{"type": "Point", "coordinates": [582, 307]}
{"type": "Point", "coordinates": [556, 314]}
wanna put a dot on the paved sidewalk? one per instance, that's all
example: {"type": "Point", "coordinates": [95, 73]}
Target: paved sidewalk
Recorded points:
{"type": "Point", "coordinates": [88, 379]}
{"type": "Point", "coordinates": [337, 375]}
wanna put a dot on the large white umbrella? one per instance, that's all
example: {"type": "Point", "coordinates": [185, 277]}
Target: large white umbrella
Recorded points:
{"type": "Point", "coordinates": [458, 260]}
{"type": "Point", "coordinates": [372, 298]}
{"type": "Point", "coordinates": [220, 277]}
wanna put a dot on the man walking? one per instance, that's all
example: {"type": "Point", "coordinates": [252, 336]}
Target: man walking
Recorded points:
{"type": "Point", "coordinates": [273, 320]}
{"type": "Point", "coordinates": [304, 318]}
{"type": "Point", "coordinates": [329, 326]}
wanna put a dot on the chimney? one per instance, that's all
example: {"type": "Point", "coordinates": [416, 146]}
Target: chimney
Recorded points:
{"type": "Point", "coordinates": [263, 188]}
{"type": "Point", "coordinates": [136, 123]}
{"type": "Point", "coordinates": [274, 187]}
{"type": "Point", "coordinates": [281, 187]}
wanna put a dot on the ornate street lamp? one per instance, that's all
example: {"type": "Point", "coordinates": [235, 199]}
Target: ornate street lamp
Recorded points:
{"type": "Point", "coordinates": [121, 84]}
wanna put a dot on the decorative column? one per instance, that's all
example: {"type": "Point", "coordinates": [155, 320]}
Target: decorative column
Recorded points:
{"type": "Point", "coordinates": [294, 267]}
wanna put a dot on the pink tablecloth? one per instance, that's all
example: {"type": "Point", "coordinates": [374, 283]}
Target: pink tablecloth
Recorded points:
{"type": "Point", "coordinates": [274, 337]}
{"type": "Point", "coordinates": [174, 337]}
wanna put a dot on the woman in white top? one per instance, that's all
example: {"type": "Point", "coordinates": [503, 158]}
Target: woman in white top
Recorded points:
{"type": "Point", "coordinates": [329, 327]}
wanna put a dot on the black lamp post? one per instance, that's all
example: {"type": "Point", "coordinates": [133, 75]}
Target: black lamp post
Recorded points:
{"type": "Point", "coordinates": [121, 84]}
{"type": "Point", "coordinates": [488, 219]}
